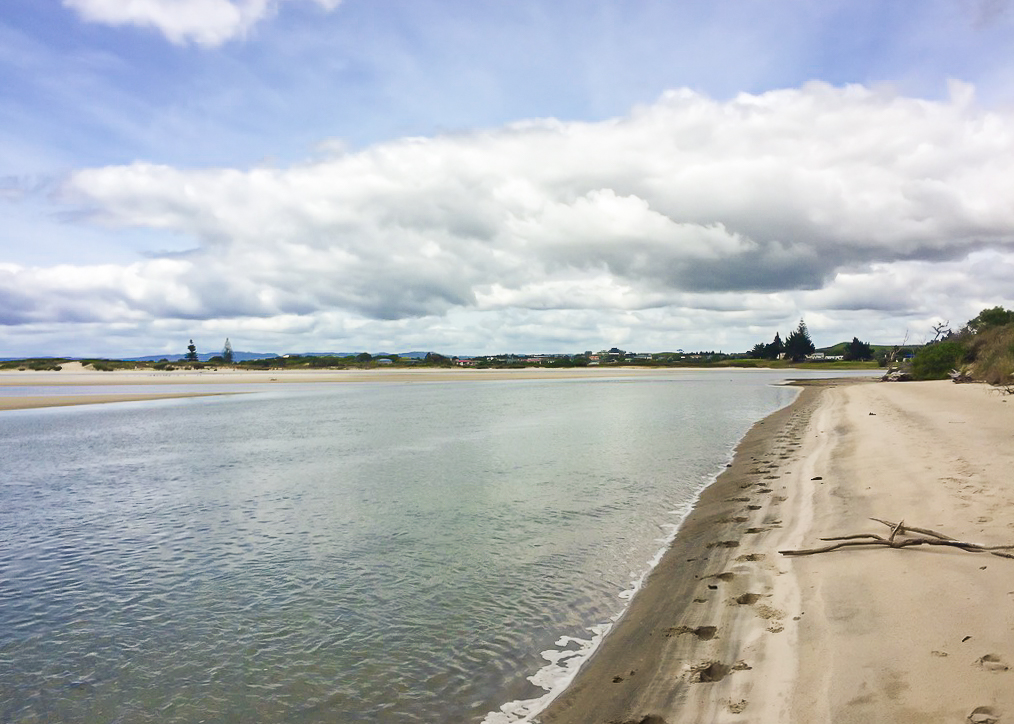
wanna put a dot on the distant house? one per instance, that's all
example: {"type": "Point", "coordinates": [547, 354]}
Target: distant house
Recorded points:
{"type": "Point", "coordinates": [464, 362]}
{"type": "Point", "coordinates": [815, 357]}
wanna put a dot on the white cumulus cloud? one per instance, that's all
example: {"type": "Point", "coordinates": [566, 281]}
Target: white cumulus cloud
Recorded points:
{"type": "Point", "coordinates": [204, 22]}
{"type": "Point", "coordinates": [838, 202]}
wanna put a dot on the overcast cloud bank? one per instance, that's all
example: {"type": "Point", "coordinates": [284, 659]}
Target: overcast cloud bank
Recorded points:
{"type": "Point", "coordinates": [842, 204]}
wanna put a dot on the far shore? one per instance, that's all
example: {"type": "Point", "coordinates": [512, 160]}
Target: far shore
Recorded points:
{"type": "Point", "coordinates": [74, 374]}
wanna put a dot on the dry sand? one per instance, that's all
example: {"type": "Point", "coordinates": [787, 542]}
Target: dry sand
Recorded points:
{"type": "Point", "coordinates": [728, 630]}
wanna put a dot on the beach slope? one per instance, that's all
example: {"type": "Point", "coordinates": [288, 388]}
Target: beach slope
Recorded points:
{"type": "Point", "coordinates": [727, 629]}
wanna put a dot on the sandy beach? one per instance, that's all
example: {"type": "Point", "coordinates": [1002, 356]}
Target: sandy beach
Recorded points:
{"type": "Point", "coordinates": [727, 629]}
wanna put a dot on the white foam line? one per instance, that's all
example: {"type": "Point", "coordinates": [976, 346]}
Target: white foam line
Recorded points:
{"type": "Point", "coordinates": [556, 676]}
{"type": "Point", "coordinates": [563, 665]}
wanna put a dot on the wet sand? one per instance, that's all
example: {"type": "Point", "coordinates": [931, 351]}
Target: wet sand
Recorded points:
{"type": "Point", "coordinates": [727, 629]}
{"type": "Point", "coordinates": [28, 402]}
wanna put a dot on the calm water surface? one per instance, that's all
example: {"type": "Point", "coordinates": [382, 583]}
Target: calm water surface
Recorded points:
{"type": "Point", "coordinates": [339, 553]}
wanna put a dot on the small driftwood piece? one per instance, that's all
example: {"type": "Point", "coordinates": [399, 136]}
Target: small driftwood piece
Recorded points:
{"type": "Point", "coordinates": [902, 536]}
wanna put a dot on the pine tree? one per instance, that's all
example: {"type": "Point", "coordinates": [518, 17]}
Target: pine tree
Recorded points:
{"type": "Point", "coordinates": [857, 350]}
{"type": "Point", "coordinates": [227, 352]}
{"type": "Point", "coordinates": [798, 344]}
{"type": "Point", "coordinates": [191, 355]}
{"type": "Point", "coordinates": [776, 347]}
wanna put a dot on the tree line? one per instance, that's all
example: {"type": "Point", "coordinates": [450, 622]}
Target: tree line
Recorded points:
{"type": "Point", "coordinates": [798, 346]}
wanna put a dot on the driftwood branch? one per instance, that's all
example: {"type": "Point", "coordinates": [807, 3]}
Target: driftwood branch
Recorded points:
{"type": "Point", "coordinates": [904, 529]}
{"type": "Point", "coordinates": [911, 536]}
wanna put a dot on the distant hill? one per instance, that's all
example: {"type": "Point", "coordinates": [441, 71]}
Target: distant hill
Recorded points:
{"type": "Point", "coordinates": [323, 354]}
{"type": "Point", "coordinates": [842, 346]}
{"type": "Point", "coordinates": [405, 355]}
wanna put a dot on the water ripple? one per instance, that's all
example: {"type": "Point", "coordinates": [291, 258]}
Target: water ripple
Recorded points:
{"type": "Point", "coordinates": [388, 555]}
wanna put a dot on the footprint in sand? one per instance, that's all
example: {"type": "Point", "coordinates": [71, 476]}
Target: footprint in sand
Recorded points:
{"type": "Point", "coordinates": [773, 616]}
{"type": "Point", "coordinates": [708, 672]}
{"type": "Point", "coordinates": [992, 662]}
{"type": "Point", "coordinates": [737, 707]}
{"type": "Point", "coordinates": [984, 715]}
{"type": "Point", "coordinates": [748, 599]}
{"type": "Point", "coordinates": [703, 633]}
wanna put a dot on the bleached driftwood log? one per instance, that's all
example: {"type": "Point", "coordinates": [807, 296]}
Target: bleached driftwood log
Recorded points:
{"type": "Point", "coordinates": [910, 536]}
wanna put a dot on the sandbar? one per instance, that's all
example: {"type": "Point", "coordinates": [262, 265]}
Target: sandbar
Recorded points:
{"type": "Point", "coordinates": [727, 629]}
{"type": "Point", "coordinates": [74, 374]}
{"type": "Point", "coordinates": [28, 402]}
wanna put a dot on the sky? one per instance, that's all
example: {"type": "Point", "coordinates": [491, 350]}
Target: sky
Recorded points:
{"type": "Point", "coordinates": [488, 176]}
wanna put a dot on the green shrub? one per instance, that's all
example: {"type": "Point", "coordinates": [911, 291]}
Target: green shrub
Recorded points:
{"type": "Point", "coordinates": [935, 361]}
{"type": "Point", "coordinates": [992, 352]}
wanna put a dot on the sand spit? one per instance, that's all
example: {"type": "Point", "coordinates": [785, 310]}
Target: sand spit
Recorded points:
{"type": "Point", "coordinates": [727, 629]}
{"type": "Point", "coordinates": [27, 402]}
{"type": "Point", "coordinates": [73, 373]}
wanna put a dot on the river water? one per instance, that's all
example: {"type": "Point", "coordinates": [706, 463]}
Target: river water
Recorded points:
{"type": "Point", "coordinates": [375, 552]}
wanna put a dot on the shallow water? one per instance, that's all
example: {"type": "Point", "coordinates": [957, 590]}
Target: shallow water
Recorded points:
{"type": "Point", "coordinates": [338, 553]}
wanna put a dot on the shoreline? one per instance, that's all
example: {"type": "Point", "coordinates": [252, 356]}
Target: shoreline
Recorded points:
{"type": "Point", "coordinates": [36, 402]}
{"type": "Point", "coordinates": [727, 629]}
{"type": "Point", "coordinates": [680, 629]}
